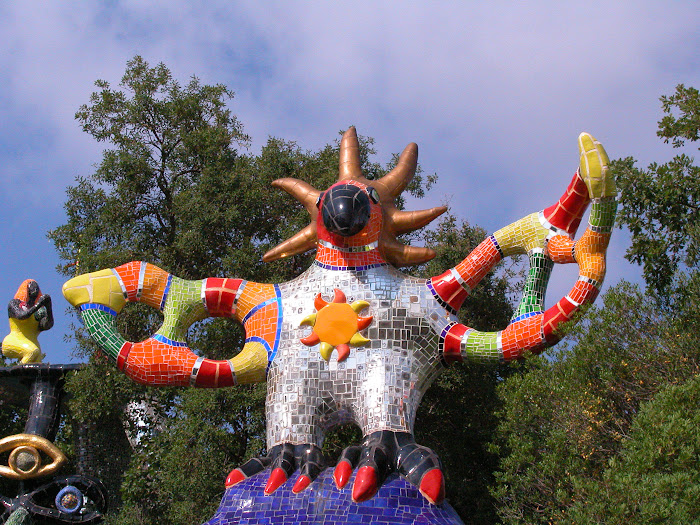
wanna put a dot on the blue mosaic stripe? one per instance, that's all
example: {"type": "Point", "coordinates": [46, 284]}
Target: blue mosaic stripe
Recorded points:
{"type": "Point", "coordinates": [256, 339]}
{"type": "Point", "coordinates": [437, 297]}
{"type": "Point", "coordinates": [166, 291]}
{"type": "Point", "coordinates": [496, 245]}
{"type": "Point", "coordinates": [278, 298]}
{"type": "Point", "coordinates": [259, 307]}
{"type": "Point", "coordinates": [96, 306]}
{"type": "Point", "coordinates": [441, 341]}
{"type": "Point", "coordinates": [445, 330]}
{"type": "Point", "coordinates": [355, 268]}
{"type": "Point", "coordinates": [525, 316]}
{"type": "Point", "coordinates": [167, 341]}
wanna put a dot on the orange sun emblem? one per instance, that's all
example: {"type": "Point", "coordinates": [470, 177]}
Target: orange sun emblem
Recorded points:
{"type": "Point", "coordinates": [336, 325]}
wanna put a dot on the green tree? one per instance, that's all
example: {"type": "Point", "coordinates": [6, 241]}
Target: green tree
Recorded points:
{"type": "Point", "coordinates": [564, 420]}
{"type": "Point", "coordinates": [655, 478]}
{"type": "Point", "coordinates": [172, 189]}
{"type": "Point", "coordinates": [661, 204]}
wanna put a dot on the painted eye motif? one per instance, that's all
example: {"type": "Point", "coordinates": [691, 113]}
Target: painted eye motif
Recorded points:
{"type": "Point", "coordinates": [25, 461]}
{"type": "Point", "coordinates": [373, 194]}
{"type": "Point", "coordinates": [320, 197]}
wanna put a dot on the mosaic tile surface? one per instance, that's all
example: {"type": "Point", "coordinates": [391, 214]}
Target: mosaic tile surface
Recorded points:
{"type": "Point", "coordinates": [396, 503]}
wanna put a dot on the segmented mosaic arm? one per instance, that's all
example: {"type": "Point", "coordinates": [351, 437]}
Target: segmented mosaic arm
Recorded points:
{"type": "Point", "coordinates": [547, 238]}
{"type": "Point", "coordinates": [164, 359]}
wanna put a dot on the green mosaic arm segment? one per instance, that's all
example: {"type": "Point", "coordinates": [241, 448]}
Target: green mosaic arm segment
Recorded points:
{"type": "Point", "coordinates": [101, 324]}
{"type": "Point", "coordinates": [183, 307]}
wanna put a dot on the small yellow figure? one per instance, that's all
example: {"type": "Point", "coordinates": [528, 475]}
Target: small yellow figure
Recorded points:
{"type": "Point", "coordinates": [30, 313]}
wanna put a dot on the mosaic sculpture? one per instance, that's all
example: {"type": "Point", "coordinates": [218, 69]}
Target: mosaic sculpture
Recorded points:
{"type": "Point", "coordinates": [353, 339]}
{"type": "Point", "coordinates": [30, 313]}
{"type": "Point", "coordinates": [32, 457]}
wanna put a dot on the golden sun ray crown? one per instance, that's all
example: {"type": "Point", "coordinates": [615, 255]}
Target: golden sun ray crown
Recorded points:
{"type": "Point", "coordinates": [394, 223]}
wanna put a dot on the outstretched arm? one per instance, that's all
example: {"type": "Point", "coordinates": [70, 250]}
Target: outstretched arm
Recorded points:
{"type": "Point", "coordinates": [546, 238]}
{"type": "Point", "coordinates": [164, 359]}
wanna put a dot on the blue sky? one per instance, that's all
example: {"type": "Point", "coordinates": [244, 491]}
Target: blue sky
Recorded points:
{"type": "Point", "coordinates": [494, 94]}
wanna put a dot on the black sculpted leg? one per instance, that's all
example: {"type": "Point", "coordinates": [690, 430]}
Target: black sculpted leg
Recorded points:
{"type": "Point", "coordinates": [283, 460]}
{"type": "Point", "coordinates": [384, 452]}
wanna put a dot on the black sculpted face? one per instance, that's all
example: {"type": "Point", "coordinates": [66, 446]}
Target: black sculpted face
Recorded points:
{"type": "Point", "coordinates": [345, 209]}
{"type": "Point", "coordinates": [33, 292]}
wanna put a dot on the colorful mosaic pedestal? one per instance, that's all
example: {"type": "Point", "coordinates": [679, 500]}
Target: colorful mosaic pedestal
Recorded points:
{"type": "Point", "coordinates": [397, 502]}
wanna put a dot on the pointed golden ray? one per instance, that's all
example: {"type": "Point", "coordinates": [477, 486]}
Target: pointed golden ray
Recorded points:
{"type": "Point", "coordinates": [350, 156]}
{"type": "Point", "coordinates": [400, 254]}
{"type": "Point", "coordinates": [396, 180]}
{"type": "Point", "coordinates": [309, 320]}
{"type": "Point", "coordinates": [301, 191]}
{"type": "Point", "coordinates": [389, 187]}
{"type": "Point", "coordinates": [407, 221]}
{"type": "Point", "coordinates": [358, 340]}
{"type": "Point", "coordinates": [301, 242]}
{"type": "Point", "coordinates": [358, 306]}
{"type": "Point", "coordinates": [326, 350]}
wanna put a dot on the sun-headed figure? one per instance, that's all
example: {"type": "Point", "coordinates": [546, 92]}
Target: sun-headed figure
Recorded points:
{"type": "Point", "coordinates": [407, 333]}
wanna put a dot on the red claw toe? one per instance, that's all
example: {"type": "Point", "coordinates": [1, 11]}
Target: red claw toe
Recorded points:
{"type": "Point", "coordinates": [276, 479]}
{"type": "Point", "coordinates": [235, 476]}
{"type": "Point", "coordinates": [432, 486]}
{"type": "Point", "coordinates": [366, 484]}
{"type": "Point", "coordinates": [301, 483]}
{"type": "Point", "coordinates": [342, 474]}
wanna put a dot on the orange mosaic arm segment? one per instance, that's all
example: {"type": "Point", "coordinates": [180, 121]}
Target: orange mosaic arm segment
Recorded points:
{"type": "Point", "coordinates": [589, 252]}
{"type": "Point", "coordinates": [260, 311]}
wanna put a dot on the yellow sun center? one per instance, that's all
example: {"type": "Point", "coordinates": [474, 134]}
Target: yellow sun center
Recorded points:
{"type": "Point", "coordinates": [336, 325]}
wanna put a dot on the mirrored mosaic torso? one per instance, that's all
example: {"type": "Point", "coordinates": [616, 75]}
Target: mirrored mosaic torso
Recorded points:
{"type": "Point", "coordinates": [379, 386]}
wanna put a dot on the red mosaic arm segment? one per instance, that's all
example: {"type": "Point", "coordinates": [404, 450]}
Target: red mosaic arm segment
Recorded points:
{"type": "Point", "coordinates": [220, 296]}
{"type": "Point", "coordinates": [566, 213]}
{"type": "Point", "coordinates": [452, 287]}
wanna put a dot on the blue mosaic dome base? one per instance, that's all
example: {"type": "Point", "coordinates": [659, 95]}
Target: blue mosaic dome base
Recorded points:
{"type": "Point", "coordinates": [397, 502]}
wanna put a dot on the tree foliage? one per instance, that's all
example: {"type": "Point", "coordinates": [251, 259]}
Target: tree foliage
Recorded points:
{"type": "Point", "coordinates": [661, 204]}
{"type": "Point", "coordinates": [655, 478]}
{"type": "Point", "coordinates": [566, 419]}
